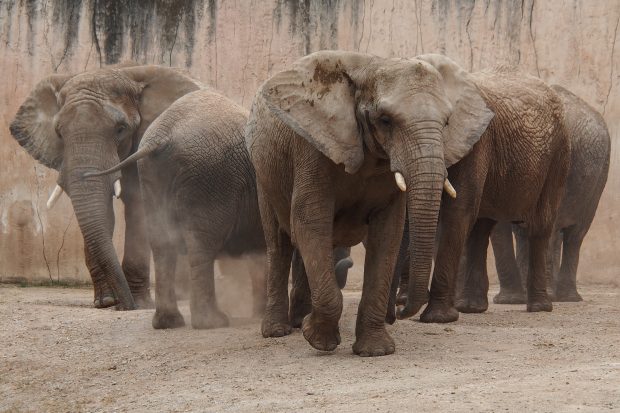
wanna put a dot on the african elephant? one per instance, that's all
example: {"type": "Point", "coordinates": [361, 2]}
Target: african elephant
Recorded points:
{"type": "Point", "coordinates": [87, 122]}
{"type": "Point", "coordinates": [516, 172]}
{"type": "Point", "coordinates": [335, 141]}
{"type": "Point", "coordinates": [589, 166]}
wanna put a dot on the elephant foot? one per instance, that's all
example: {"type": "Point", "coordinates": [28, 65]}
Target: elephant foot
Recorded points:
{"type": "Point", "coordinates": [567, 296]}
{"type": "Point", "coordinates": [506, 296]}
{"type": "Point", "coordinates": [164, 320]}
{"type": "Point", "coordinates": [144, 300]}
{"type": "Point", "coordinates": [274, 328]}
{"type": "Point", "coordinates": [212, 318]}
{"type": "Point", "coordinates": [104, 297]}
{"type": "Point", "coordinates": [377, 343]}
{"type": "Point", "coordinates": [472, 303]}
{"type": "Point", "coordinates": [321, 336]}
{"type": "Point", "coordinates": [541, 304]}
{"type": "Point", "coordinates": [439, 312]}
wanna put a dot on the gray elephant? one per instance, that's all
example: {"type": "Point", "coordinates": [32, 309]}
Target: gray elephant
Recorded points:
{"type": "Point", "coordinates": [590, 153]}
{"type": "Point", "coordinates": [336, 142]}
{"type": "Point", "coordinates": [87, 122]}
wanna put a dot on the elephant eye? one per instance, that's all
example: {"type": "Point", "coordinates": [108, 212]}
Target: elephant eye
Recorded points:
{"type": "Point", "coordinates": [121, 128]}
{"type": "Point", "coordinates": [385, 120]}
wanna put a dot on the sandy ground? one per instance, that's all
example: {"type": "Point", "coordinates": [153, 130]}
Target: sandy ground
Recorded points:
{"type": "Point", "coordinates": [57, 354]}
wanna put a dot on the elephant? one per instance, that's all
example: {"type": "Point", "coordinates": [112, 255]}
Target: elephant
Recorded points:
{"type": "Point", "coordinates": [87, 122]}
{"type": "Point", "coordinates": [516, 172]}
{"type": "Point", "coordinates": [199, 188]}
{"type": "Point", "coordinates": [341, 143]}
{"type": "Point", "coordinates": [589, 167]}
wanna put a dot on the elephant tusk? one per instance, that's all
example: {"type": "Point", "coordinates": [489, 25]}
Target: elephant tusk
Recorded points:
{"type": "Point", "coordinates": [447, 186]}
{"type": "Point", "coordinates": [117, 188]}
{"type": "Point", "coordinates": [400, 181]}
{"type": "Point", "coordinates": [54, 197]}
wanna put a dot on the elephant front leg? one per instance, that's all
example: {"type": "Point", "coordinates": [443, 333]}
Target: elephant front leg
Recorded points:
{"type": "Point", "coordinates": [104, 296]}
{"type": "Point", "coordinates": [382, 247]}
{"type": "Point", "coordinates": [279, 251]}
{"type": "Point", "coordinates": [136, 258]}
{"type": "Point", "coordinates": [312, 228]}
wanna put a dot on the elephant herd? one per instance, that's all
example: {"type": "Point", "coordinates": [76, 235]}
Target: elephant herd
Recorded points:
{"type": "Point", "coordinates": [417, 158]}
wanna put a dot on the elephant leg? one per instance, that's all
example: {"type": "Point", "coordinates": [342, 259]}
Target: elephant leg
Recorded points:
{"type": "Point", "coordinates": [312, 227]}
{"type": "Point", "coordinates": [473, 298]}
{"type": "Point", "coordinates": [202, 301]}
{"type": "Point", "coordinates": [566, 285]}
{"type": "Point", "coordinates": [256, 264]}
{"type": "Point", "coordinates": [136, 257]}
{"type": "Point", "coordinates": [537, 298]}
{"type": "Point", "coordinates": [167, 314]}
{"type": "Point", "coordinates": [554, 254]}
{"type": "Point", "coordinates": [522, 252]}
{"type": "Point", "coordinates": [510, 286]}
{"type": "Point", "coordinates": [104, 296]}
{"type": "Point", "coordinates": [301, 303]}
{"type": "Point", "coordinates": [279, 252]}
{"type": "Point", "coordinates": [453, 233]}
{"type": "Point", "coordinates": [382, 247]}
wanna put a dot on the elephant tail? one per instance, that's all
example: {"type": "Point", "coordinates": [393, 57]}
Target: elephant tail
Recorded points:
{"type": "Point", "coordinates": [147, 147]}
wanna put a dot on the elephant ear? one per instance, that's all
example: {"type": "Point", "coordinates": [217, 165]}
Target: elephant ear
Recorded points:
{"type": "Point", "coordinates": [33, 126]}
{"type": "Point", "coordinates": [161, 86]}
{"type": "Point", "coordinates": [470, 114]}
{"type": "Point", "coordinates": [317, 100]}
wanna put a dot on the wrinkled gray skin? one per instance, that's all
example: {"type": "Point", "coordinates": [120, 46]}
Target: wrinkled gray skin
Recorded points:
{"type": "Point", "coordinates": [517, 172]}
{"type": "Point", "coordinates": [326, 139]}
{"type": "Point", "coordinates": [198, 186]}
{"type": "Point", "coordinates": [87, 122]}
{"type": "Point", "coordinates": [590, 152]}
{"type": "Point", "coordinates": [200, 192]}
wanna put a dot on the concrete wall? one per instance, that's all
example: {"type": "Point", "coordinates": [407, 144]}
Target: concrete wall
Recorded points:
{"type": "Point", "coordinates": [235, 45]}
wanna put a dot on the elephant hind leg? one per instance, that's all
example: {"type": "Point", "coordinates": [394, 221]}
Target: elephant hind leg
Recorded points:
{"type": "Point", "coordinates": [202, 249]}
{"type": "Point", "coordinates": [473, 297]}
{"type": "Point", "coordinates": [165, 254]}
{"type": "Point", "coordinates": [565, 288]}
{"type": "Point", "coordinates": [510, 285]}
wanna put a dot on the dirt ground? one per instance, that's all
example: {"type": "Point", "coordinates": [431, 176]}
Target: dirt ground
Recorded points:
{"type": "Point", "coordinates": [58, 354]}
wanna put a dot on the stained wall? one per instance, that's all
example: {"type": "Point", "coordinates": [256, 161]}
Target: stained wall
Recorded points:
{"type": "Point", "coordinates": [235, 45]}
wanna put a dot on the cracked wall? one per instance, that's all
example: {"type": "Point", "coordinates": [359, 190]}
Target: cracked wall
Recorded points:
{"type": "Point", "coordinates": [234, 46]}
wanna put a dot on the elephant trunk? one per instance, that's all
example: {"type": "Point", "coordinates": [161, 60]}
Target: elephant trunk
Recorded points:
{"type": "Point", "coordinates": [424, 172]}
{"type": "Point", "coordinates": [92, 204]}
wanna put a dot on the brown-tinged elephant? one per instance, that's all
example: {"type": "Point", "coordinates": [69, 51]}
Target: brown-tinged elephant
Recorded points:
{"type": "Point", "coordinates": [88, 122]}
{"type": "Point", "coordinates": [516, 172]}
{"type": "Point", "coordinates": [341, 143]}
{"type": "Point", "coordinates": [199, 187]}
{"type": "Point", "coordinates": [590, 153]}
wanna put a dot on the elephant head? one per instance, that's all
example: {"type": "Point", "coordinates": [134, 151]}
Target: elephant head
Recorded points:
{"type": "Point", "coordinates": [422, 114]}
{"type": "Point", "coordinates": [87, 122]}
